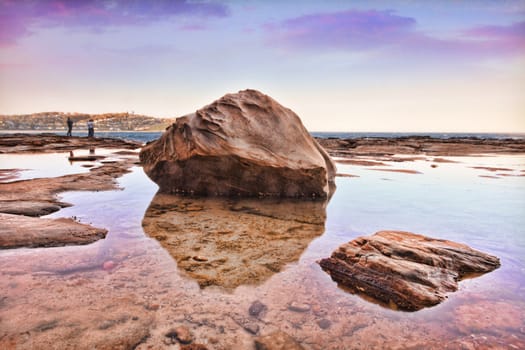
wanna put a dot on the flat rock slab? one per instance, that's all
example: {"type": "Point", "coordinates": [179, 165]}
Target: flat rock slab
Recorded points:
{"type": "Point", "coordinates": [42, 143]}
{"type": "Point", "coordinates": [387, 146]}
{"type": "Point", "coordinates": [21, 231]}
{"type": "Point", "coordinates": [30, 208]}
{"type": "Point", "coordinates": [407, 271]}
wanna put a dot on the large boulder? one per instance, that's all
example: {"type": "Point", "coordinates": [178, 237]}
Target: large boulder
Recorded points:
{"type": "Point", "coordinates": [243, 144]}
{"type": "Point", "coordinates": [405, 270]}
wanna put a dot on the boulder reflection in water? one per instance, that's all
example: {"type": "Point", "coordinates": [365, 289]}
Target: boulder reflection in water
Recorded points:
{"type": "Point", "coordinates": [230, 242]}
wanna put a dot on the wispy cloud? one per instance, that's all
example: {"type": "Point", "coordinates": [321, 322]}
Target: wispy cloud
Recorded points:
{"type": "Point", "coordinates": [193, 27]}
{"type": "Point", "coordinates": [142, 50]}
{"type": "Point", "coordinates": [514, 31]}
{"type": "Point", "coordinates": [357, 30]}
{"type": "Point", "coordinates": [510, 38]}
{"type": "Point", "coordinates": [19, 17]}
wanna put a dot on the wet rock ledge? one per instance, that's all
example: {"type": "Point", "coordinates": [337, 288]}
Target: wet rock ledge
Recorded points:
{"type": "Point", "coordinates": [45, 143]}
{"type": "Point", "coordinates": [21, 231]}
{"type": "Point", "coordinates": [407, 271]}
{"type": "Point", "coordinates": [419, 145]}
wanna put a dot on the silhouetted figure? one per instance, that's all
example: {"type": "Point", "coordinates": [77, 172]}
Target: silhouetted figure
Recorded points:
{"type": "Point", "coordinates": [69, 126]}
{"type": "Point", "coordinates": [91, 128]}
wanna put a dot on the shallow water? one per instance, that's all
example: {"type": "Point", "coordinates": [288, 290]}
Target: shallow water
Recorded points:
{"type": "Point", "coordinates": [31, 166]}
{"type": "Point", "coordinates": [450, 201]}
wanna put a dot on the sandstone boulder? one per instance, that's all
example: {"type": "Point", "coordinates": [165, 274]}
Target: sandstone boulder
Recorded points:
{"type": "Point", "coordinates": [405, 270]}
{"type": "Point", "coordinates": [243, 144]}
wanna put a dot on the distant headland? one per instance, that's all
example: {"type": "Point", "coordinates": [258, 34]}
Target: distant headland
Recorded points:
{"type": "Point", "coordinates": [52, 121]}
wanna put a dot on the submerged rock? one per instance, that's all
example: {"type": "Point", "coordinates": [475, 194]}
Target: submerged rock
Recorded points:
{"type": "Point", "coordinates": [257, 308]}
{"type": "Point", "coordinates": [180, 333]}
{"type": "Point", "coordinates": [108, 265]}
{"type": "Point", "coordinates": [298, 307]}
{"type": "Point", "coordinates": [405, 270]}
{"type": "Point", "coordinates": [243, 144]}
{"type": "Point", "coordinates": [277, 340]}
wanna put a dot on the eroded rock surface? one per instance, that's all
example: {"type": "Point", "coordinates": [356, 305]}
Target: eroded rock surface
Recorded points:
{"type": "Point", "coordinates": [23, 231]}
{"type": "Point", "coordinates": [405, 270]}
{"type": "Point", "coordinates": [229, 243]}
{"type": "Point", "coordinates": [387, 146]}
{"type": "Point", "coordinates": [42, 143]}
{"type": "Point", "coordinates": [242, 144]}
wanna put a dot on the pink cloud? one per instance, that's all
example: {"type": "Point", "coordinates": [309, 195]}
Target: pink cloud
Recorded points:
{"type": "Point", "coordinates": [357, 30]}
{"type": "Point", "coordinates": [10, 30]}
{"type": "Point", "coordinates": [510, 38]}
{"type": "Point", "coordinates": [18, 17]}
{"type": "Point", "coordinates": [352, 28]}
{"type": "Point", "coordinates": [516, 30]}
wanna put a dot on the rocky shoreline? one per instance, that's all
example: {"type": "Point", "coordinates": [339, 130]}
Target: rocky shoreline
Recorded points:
{"type": "Point", "coordinates": [336, 147]}
{"type": "Point", "coordinates": [46, 143]}
{"type": "Point", "coordinates": [419, 145]}
{"type": "Point", "coordinates": [37, 197]}
{"type": "Point", "coordinates": [23, 201]}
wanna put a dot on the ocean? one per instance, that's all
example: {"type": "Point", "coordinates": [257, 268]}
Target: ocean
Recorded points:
{"type": "Point", "coordinates": [145, 136]}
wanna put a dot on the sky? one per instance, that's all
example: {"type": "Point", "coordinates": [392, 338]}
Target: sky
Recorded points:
{"type": "Point", "coordinates": [383, 66]}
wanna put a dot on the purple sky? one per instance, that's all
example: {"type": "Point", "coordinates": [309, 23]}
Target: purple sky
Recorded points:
{"type": "Point", "coordinates": [364, 30]}
{"type": "Point", "coordinates": [341, 65]}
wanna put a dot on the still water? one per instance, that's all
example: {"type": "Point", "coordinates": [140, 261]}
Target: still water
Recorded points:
{"type": "Point", "coordinates": [31, 166]}
{"type": "Point", "coordinates": [164, 281]}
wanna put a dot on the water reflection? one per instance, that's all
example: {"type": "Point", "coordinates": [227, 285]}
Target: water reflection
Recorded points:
{"type": "Point", "coordinates": [14, 167]}
{"type": "Point", "coordinates": [30, 166]}
{"type": "Point", "coordinates": [228, 243]}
